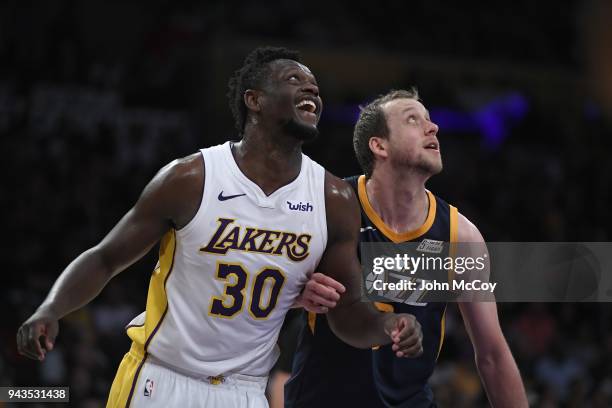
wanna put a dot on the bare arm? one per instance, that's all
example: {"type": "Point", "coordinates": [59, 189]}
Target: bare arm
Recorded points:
{"type": "Point", "coordinates": [355, 322]}
{"type": "Point", "coordinates": [156, 211]}
{"type": "Point", "coordinates": [496, 366]}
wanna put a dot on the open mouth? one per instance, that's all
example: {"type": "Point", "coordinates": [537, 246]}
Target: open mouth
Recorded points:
{"type": "Point", "coordinates": [307, 105]}
{"type": "Point", "coordinates": [307, 109]}
{"type": "Point", "coordinates": [433, 146]}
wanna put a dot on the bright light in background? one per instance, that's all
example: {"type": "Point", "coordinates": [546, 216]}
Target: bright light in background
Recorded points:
{"type": "Point", "coordinates": [493, 120]}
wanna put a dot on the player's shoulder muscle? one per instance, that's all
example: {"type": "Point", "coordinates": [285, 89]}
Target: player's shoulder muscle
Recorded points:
{"type": "Point", "coordinates": [342, 208]}
{"type": "Point", "coordinates": [176, 190]}
{"type": "Point", "coordinates": [467, 231]}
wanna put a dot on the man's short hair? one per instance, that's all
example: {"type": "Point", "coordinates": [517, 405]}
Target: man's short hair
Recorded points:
{"type": "Point", "coordinates": [252, 75]}
{"type": "Point", "coordinates": [373, 122]}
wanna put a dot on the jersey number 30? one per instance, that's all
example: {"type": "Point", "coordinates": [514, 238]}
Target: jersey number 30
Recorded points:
{"type": "Point", "coordinates": [236, 278]}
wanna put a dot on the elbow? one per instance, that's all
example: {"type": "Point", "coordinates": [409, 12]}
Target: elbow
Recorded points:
{"type": "Point", "coordinates": [356, 343]}
{"type": "Point", "coordinates": [485, 361]}
{"type": "Point", "coordinates": [349, 338]}
{"type": "Point", "coordinates": [491, 358]}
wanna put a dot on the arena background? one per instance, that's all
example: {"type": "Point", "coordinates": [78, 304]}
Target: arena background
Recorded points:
{"type": "Point", "coordinates": [96, 96]}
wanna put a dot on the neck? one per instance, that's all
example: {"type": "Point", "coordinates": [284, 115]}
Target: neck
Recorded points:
{"type": "Point", "coordinates": [269, 160]}
{"type": "Point", "coordinates": [399, 198]}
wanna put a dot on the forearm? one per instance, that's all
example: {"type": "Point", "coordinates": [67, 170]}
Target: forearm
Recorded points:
{"type": "Point", "coordinates": [78, 284]}
{"type": "Point", "coordinates": [359, 325]}
{"type": "Point", "coordinates": [501, 379]}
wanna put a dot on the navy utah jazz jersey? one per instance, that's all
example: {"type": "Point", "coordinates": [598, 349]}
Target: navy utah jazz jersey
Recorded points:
{"type": "Point", "coordinates": [329, 373]}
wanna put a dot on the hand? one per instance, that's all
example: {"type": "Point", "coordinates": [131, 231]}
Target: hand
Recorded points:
{"type": "Point", "coordinates": [40, 324]}
{"type": "Point", "coordinates": [320, 294]}
{"type": "Point", "coordinates": [406, 334]}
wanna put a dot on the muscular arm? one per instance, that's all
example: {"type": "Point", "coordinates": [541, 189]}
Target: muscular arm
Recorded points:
{"type": "Point", "coordinates": [355, 322]}
{"type": "Point", "coordinates": [496, 366]}
{"type": "Point", "coordinates": [156, 211]}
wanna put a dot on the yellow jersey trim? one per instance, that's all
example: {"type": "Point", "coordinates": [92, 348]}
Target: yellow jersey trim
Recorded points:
{"type": "Point", "coordinates": [384, 228]}
{"type": "Point", "coordinates": [157, 307]}
{"type": "Point", "coordinates": [157, 298]}
{"type": "Point", "coordinates": [383, 307]}
{"type": "Point", "coordinates": [312, 320]}
{"type": "Point", "coordinates": [442, 331]}
{"type": "Point", "coordinates": [454, 226]}
{"type": "Point", "coordinates": [452, 250]}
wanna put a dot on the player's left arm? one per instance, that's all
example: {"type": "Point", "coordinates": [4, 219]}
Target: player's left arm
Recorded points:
{"type": "Point", "coordinates": [496, 366]}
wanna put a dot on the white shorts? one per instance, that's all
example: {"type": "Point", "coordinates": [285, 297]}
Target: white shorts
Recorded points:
{"type": "Point", "coordinates": [158, 386]}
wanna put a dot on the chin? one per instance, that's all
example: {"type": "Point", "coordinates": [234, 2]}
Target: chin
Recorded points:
{"type": "Point", "coordinates": [431, 168]}
{"type": "Point", "coordinates": [435, 168]}
{"type": "Point", "coordinates": [301, 131]}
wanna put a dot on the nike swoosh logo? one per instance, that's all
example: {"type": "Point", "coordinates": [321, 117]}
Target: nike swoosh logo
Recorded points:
{"type": "Point", "coordinates": [221, 197]}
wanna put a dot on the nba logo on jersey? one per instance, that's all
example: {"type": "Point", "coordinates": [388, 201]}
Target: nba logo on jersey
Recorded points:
{"type": "Point", "coordinates": [148, 389]}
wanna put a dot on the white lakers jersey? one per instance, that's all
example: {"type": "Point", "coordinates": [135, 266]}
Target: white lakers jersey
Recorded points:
{"type": "Point", "coordinates": [225, 281]}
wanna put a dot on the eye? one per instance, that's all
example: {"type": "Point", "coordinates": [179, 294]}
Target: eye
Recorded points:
{"type": "Point", "coordinates": [293, 77]}
{"type": "Point", "coordinates": [412, 119]}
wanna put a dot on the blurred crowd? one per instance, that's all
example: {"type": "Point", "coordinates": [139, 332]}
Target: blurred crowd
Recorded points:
{"type": "Point", "coordinates": [89, 113]}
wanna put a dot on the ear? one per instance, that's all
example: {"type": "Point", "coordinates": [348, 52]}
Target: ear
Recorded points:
{"type": "Point", "coordinates": [252, 100]}
{"type": "Point", "coordinates": [378, 146]}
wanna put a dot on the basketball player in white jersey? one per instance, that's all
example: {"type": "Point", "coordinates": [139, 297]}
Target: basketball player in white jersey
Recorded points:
{"type": "Point", "coordinates": [242, 227]}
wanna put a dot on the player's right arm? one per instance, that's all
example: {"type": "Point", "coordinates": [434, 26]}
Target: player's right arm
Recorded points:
{"type": "Point", "coordinates": [170, 200]}
{"type": "Point", "coordinates": [498, 370]}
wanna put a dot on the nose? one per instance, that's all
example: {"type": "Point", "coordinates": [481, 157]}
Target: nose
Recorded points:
{"type": "Point", "coordinates": [311, 88]}
{"type": "Point", "coordinates": [431, 128]}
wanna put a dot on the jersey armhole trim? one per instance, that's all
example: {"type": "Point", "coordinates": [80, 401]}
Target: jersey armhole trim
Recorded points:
{"type": "Point", "coordinates": [442, 331]}
{"type": "Point", "coordinates": [192, 221]}
{"type": "Point", "coordinates": [452, 250]}
{"type": "Point", "coordinates": [323, 219]}
{"type": "Point", "coordinates": [453, 221]}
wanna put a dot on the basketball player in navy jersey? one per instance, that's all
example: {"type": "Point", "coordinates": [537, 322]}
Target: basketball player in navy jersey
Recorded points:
{"type": "Point", "coordinates": [396, 145]}
{"type": "Point", "coordinates": [233, 255]}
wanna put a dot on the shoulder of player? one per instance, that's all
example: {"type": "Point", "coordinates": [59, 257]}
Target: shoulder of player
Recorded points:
{"type": "Point", "coordinates": [467, 231]}
{"type": "Point", "coordinates": [183, 172]}
{"type": "Point", "coordinates": [338, 190]}
{"type": "Point", "coordinates": [342, 208]}
{"type": "Point", "coordinates": [176, 190]}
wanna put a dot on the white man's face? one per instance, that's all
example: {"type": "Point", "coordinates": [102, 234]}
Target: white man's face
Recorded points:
{"type": "Point", "coordinates": [412, 137]}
